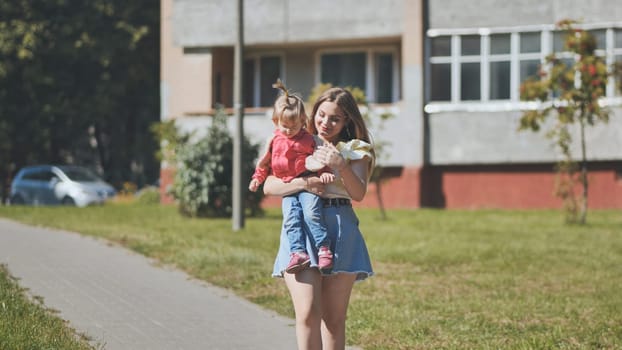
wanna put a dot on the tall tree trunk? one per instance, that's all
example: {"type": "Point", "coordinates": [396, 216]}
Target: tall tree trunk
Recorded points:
{"type": "Point", "coordinates": [377, 181]}
{"type": "Point", "coordinates": [101, 149]}
{"type": "Point", "coordinates": [4, 180]}
{"type": "Point", "coordinates": [583, 216]}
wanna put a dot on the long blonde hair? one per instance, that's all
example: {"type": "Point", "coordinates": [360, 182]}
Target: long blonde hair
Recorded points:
{"type": "Point", "coordinates": [355, 127]}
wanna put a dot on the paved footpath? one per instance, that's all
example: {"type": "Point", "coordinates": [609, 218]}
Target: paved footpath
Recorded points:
{"type": "Point", "coordinates": [123, 301]}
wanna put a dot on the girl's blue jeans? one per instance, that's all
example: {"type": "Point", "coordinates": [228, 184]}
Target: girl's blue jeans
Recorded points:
{"type": "Point", "coordinates": [302, 212]}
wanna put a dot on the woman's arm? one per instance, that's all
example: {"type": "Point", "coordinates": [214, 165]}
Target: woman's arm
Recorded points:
{"type": "Point", "coordinates": [276, 187]}
{"type": "Point", "coordinates": [354, 177]}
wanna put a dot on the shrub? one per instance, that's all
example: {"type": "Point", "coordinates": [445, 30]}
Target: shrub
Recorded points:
{"type": "Point", "coordinates": [203, 179]}
{"type": "Point", "coordinates": [149, 195]}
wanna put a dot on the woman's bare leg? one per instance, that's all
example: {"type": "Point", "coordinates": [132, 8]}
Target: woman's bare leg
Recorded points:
{"type": "Point", "coordinates": [336, 290]}
{"type": "Point", "coordinates": [305, 291]}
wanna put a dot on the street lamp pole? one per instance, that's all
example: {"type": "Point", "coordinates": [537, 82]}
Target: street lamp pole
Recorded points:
{"type": "Point", "coordinates": [238, 189]}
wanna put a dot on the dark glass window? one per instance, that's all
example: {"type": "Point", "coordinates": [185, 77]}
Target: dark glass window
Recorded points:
{"type": "Point", "coordinates": [470, 45]}
{"type": "Point", "coordinates": [249, 83]}
{"type": "Point", "coordinates": [500, 44]}
{"type": "Point", "coordinates": [601, 38]}
{"type": "Point", "coordinates": [441, 46]}
{"type": "Point", "coordinates": [528, 68]}
{"type": "Point", "coordinates": [470, 81]}
{"type": "Point", "coordinates": [618, 58]}
{"type": "Point", "coordinates": [441, 82]}
{"type": "Point", "coordinates": [530, 42]}
{"type": "Point", "coordinates": [499, 80]}
{"type": "Point", "coordinates": [270, 71]}
{"type": "Point", "coordinates": [40, 175]}
{"type": "Point", "coordinates": [384, 78]}
{"type": "Point", "coordinates": [344, 69]}
{"type": "Point", "coordinates": [559, 39]}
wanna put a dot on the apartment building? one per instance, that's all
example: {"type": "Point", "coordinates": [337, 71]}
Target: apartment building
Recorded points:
{"type": "Point", "coordinates": [447, 70]}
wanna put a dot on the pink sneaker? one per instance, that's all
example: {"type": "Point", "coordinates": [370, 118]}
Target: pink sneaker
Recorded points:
{"type": "Point", "coordinates": [325, 258]}
{"type": "Point", "coordinates": [298, 262]}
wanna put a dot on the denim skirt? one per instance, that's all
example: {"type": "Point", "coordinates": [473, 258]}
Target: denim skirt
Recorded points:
{"type": "Point", "coordinates": [350, 253]}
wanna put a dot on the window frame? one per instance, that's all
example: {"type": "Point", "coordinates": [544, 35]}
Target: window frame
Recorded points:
{"type": "Point", "coordinates": [256, 58]}
{"type": "Point", "coordinates": [610, 52]}
{"type": "Point", "coordinates": [370, 68]}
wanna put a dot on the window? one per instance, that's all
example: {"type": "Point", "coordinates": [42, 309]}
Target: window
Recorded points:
{"type": "Point", "coordinates": [469, 81]}
{"type": "Point", "coordinates": [249, 83]}
{"type": "Point", "coordinates": [529, 55]}
{"type": "Point", "coordinates": [39, 175]}
{"type": "Point", "coordinates": [617, 50]}
{"type": "Point", "coordinates": [372, 70]}
{"type": "Point", "coordinates": [259, 75]}
{"type": "Point", "coordinates": [488, 65]}
{"type": "Point", "coordinates": [440, 63]}
{"type": "Point", "coordinates": [500, 49]}
{"type": "Point", "coordinates": [270, 71]}
{"type": "Point", "coordinates": [601, 39]}
{"type": "Point", "coordinates": [441, 82]}
{"type": "Point", "coordinates": [470, 68]}
{"type": "Point", "coordinates": [384, 77]}
{"type": "Point", "coordinates": [347, 69]}
{"type": "Point", "coordinates": [558, 41]}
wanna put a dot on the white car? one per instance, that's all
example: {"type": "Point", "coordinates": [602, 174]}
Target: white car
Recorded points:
{"type": "Point", "coordinates": [59, 184]}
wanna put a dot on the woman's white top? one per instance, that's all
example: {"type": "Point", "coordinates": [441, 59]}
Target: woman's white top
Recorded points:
{"type": "Point", "coordinates": [352, 150]}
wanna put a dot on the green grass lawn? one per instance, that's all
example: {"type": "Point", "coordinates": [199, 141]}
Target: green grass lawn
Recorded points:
{"type": "Point", "coordinates": [27, 324]}
{"type": "Point", "coordinates": [444, 279]}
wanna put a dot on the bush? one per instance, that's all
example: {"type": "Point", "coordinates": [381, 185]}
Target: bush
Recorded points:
{"type": "Point", "coordinates": [203, 180]}
{"type": "Point", "coordinates": [149, 195]}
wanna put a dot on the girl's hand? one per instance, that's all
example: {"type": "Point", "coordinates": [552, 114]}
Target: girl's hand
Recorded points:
{"type": "Point", "coordinates": [330, 156]}
{"type": "Point", "coordinates": [327, 178]}
{"type": "Point", "coordinates": [314, 185]}
{"type": "Point", "coordinates": [253, 186]}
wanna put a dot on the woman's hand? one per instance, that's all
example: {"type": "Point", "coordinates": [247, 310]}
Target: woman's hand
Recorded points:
{"type": "Point", "coordinates": [329, 155]}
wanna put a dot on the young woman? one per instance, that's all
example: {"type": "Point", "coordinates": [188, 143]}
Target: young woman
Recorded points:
{"type": "Point", "coordinates": [321, 299]}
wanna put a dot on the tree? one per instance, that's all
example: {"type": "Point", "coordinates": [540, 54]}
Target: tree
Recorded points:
{"type": "Point", "coordinates": [204, 170]}
{"type": "Point", "coordinates": [79, 84]}
{"type": "Point", "coordinates": [570, 91]}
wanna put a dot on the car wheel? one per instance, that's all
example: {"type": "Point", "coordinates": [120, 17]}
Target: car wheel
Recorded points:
{"type": "Point", "coordinates": [68, 201]}
{"type": "Point", "coordinates": [17, 200]}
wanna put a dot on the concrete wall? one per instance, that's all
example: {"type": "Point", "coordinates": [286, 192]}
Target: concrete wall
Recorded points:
{"type": "Point", "coordinates": [485, 138]}
{"type": "Point", "coordinates": [502, 13]}
{"type": "Point", "coordinates": [212, 22]}
{"type": "Point", "coordinates": [185, 77]}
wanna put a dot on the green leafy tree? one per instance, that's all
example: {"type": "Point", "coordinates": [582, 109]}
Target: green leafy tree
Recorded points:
{"type": "Point", "coordinates": [204, 173]}
{"type": "Point", "coordinates": [570, 91]}
{"type": "Point", "coordinates": [79, 84]}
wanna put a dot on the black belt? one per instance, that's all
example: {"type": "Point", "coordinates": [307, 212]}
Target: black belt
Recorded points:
{"type": "Point", "coordinates": [336, 202]}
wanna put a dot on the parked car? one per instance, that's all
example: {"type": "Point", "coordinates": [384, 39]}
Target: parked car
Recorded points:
{"type": "Point", "coordinates": [59, 184]}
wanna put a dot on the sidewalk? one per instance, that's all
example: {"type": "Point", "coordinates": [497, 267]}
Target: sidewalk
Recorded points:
{"type": "Point", "coordinates": [123, 301]}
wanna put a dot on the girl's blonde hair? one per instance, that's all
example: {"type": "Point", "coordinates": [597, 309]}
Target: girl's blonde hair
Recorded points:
{"type": "Point", "coordinates": [288, 106]}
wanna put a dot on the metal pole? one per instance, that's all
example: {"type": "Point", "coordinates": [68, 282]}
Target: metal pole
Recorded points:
{"type": "Point", "coordinates": [238, 189]}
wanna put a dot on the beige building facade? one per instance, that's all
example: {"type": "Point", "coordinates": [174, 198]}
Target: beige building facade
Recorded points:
{"type": "Point", "coordinates": [447, 70]}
